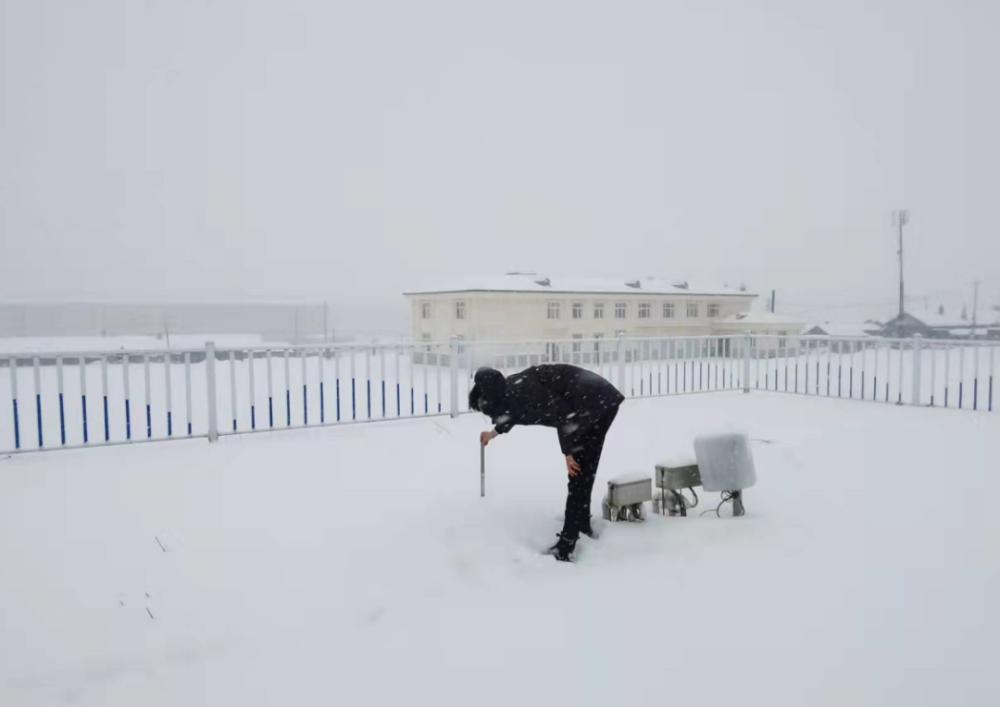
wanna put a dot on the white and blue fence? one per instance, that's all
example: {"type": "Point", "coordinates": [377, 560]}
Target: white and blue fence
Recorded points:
{"type": "Point", "coordinates": [81, 399]}
{"type": "Point", "coordinates": [957, 374]}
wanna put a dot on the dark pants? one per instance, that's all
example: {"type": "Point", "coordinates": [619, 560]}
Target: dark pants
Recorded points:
{"type": "Point", "coordinates": [581, 485]}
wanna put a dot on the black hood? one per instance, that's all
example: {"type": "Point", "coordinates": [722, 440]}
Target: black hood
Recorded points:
{"type": "Point", "coordinates": [488, 393]}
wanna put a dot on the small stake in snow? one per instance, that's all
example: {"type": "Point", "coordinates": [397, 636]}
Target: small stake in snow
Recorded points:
{"type": "Point", "coordinates": [159, 543]}
{"type": "Point", "coordinates": [482, 470]}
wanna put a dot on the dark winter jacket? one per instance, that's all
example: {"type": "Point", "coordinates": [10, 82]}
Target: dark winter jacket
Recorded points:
{"type": "Point", "coordinates": [559, 395]}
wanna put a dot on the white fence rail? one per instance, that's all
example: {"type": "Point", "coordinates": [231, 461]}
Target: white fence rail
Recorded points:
{"type": "Point", "coordinates": [957, 374]}
{"type": "Point", "coordinates": [77, 399]}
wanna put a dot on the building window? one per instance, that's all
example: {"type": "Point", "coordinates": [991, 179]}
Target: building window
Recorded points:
{"type": "Point", "coordinates": [668, 310]}
{"type": "Point", "coordinates": [619, 332]}
{"type": "Point", "coordinates": [713, 310]}
{"type": "Point", "coordinates": [597, 342]}
{"type": "Point", "coordinates": [577, 342]}
{"type": "Point", "coordinates": [599, 310]}
{"type": "Point", "coordinates": [460, 344]}
{"type": "Point", "coordinates": [692, 310]}
{"type": "Point", "coordinates": [578, 310]}
{"type": "Point", "coordinates": [644, 308]}
{"type": "Point", "coordinates": [460, 309]}
{"type": "Point", "coordinates": [553, 310]}
{"type": "Point", "coordinates": [425, 310]}
{"type": "Point", "coordinates": [425, 338]}
{"type": "Point", "coordinates": [620, 309]}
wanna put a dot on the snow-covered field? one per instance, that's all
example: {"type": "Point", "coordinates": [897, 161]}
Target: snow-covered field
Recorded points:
{"type": "Point", "coordinates": [358, 565]}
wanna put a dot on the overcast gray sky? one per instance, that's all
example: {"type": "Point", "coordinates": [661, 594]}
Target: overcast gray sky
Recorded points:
{"type": "Point", "coordinates": [345, 150]}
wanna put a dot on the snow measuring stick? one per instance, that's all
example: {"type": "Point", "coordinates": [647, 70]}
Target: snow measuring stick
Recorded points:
{"type": "Point", "coordinates": [482, 470]}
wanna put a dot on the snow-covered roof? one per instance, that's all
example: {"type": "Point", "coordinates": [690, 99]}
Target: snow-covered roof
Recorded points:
{"type": "Point", "coordinates": [952, 318]}
{"type": "Point", "coordinates": [534, 282]}
{"type": "Point", "coordinates": [844, 329]}
{"type": "Point", "coordinates": [760, 318]}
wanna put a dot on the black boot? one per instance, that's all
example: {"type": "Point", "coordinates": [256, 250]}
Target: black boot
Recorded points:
{"type": "Point", "coordinates": [563, 549]}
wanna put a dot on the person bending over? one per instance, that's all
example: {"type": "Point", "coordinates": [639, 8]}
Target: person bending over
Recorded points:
{"type": "Point", "coordinates": [580, 404]}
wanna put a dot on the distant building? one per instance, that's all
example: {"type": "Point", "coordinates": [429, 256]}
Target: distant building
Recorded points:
{"type": "Point", "coordinates": [530, 307]}
{"type": "Point", "coordinates": [760, 323]}
{"type": "Point", "coordinates": [274, 320]}
{"type": "Point", "coordinates": [904, 326]}
{"type": "Point", "coordinates": [776, 331]}
{"type": "Point", "coordinates": [940, 325]}
{"type": "Point", "coordinates": [869, 328]}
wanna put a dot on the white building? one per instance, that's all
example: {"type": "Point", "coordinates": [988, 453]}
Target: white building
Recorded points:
{"type": "Point", "coordinates": [530, 307]}
{"type": "Point", "coordinates": [776, 332]}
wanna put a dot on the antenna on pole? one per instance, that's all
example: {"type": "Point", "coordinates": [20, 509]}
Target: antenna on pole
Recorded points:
{"type": "Point", "coordinates": [900, 218]}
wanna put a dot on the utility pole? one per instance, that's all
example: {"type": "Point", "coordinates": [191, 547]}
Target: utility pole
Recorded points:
{"type": "Point", "coordinates": [900, 218]}
{"type": "Point", "coordinates": [975, 305]}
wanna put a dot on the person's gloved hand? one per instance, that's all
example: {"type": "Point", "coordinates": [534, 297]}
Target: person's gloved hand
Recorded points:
{"type": "Point", "coordinates": [485, 437]}
{"type": "Point", "coordinates": [572, 466]}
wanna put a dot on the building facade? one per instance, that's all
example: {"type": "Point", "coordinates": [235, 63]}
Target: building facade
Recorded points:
{"type": "Point", "coordinates": [527, 307]}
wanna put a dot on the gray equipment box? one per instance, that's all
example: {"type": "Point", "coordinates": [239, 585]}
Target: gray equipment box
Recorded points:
{"type": "Point", "coordinates": [672, 477]}
{"type": "Point", "coordinates": [675, 478]}
{"type": "Point", "coordinates": [629, 490]}
{"type": "Point", "coordinates": [626, 494]}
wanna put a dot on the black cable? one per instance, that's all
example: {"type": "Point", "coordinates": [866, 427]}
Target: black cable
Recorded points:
{"type": "Point", "coordinates": [727, 496]}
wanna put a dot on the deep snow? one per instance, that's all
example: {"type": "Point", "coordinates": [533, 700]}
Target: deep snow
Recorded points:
{"type": "Point", "coordinates": [358, 565]}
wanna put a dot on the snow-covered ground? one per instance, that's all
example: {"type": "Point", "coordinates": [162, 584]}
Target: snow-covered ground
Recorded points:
{"type": "Point", "coordinates": [358, 565]}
